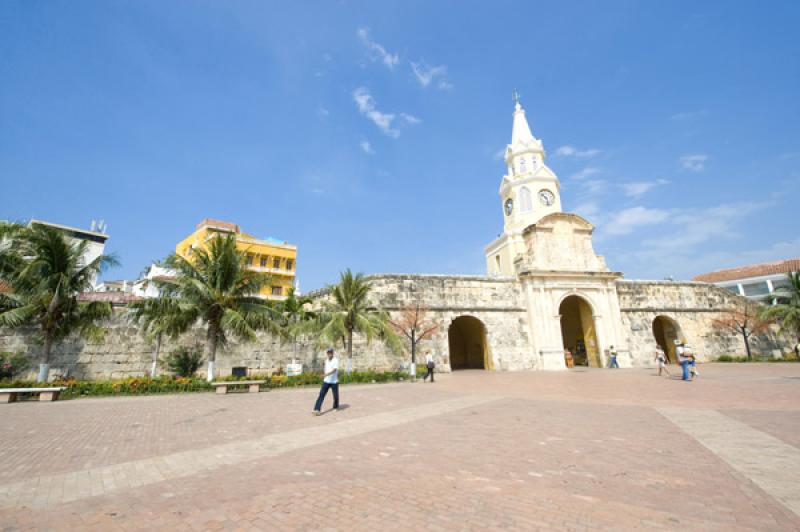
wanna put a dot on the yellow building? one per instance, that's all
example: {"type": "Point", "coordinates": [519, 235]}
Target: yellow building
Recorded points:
{"type": "Point", "coordinates": [278, 259]}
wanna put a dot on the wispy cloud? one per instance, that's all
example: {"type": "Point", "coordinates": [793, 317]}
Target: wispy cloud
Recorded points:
{"type": "Point", "coordinates": [427, 75]}
{"type": "Point", "coordinates": [323, 112]}
{"type": "Point", "coordinates": [584, 173]}
{"type": "Point", "coordinates": [594, 186]}
{"type": "Point", "coordinates": [627, 220]}
{"type": "Point", "coordinates": [385, 121]}
{"type": "Point", "coordinates": [377, 51]}
{"type": "Point", "coordinates": [589, 209]}
{"type": "Point", "coordinates": [366, 147]}
{"type": "Point", "coordinates": [500, 154]}
{"type": "Point", "coordinates": [410, 119]}
{"type": "Point", "coordinates": [572, 151]}
{"type": "Point", "coordinates": [635, 189]}
{"type": "Point", "coordinates": [695, 163]}
{"type": "Point", "coordinates": [688, 115]}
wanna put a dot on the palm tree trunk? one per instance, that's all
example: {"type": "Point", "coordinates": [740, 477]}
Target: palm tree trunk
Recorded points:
{"type": "Point", "coordinates": [212, 352]}
{"type": "Point", "coordinates": [350, 351]}
{"type": "Point", "coordinates": [44, 367]}
{"type": "Point", "coordinates": [155, 355]}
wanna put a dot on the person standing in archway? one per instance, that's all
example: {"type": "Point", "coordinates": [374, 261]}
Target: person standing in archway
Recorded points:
{"type": "Point", "coordinates": [661, 361]}
{"type": "Point", "coordinates": [613, 354]}
{"type": "Point", "coordinates": [429, 365]}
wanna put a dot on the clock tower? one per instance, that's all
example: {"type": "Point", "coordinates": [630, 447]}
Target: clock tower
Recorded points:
{"type": "Point", "coordinates": [528, 192]}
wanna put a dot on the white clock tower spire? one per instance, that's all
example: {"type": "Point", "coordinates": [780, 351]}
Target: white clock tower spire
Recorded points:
{"type": "Point", "coordinates": [528, 191]}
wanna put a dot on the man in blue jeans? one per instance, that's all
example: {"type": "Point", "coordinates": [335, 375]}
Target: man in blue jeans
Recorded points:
{"type": "Point", "coordinates": [330, 380]}
{"type": "Point", "coordinates": [683, 359]}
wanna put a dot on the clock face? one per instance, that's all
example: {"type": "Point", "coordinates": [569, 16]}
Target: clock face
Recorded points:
{"type": "Point", "coordinates": [546, 197]}
{"type": "Point", "coordinates": [509, 205]}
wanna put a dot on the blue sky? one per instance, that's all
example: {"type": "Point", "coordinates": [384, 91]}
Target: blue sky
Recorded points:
{"type": "Point", "coordinates": [367, 133]}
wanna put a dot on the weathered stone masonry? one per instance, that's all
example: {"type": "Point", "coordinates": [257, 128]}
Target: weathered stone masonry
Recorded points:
{"type": "Point", "coordinates": [499, 303]}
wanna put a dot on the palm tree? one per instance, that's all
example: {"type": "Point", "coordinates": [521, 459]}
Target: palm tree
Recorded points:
{"type": "Point", "coordinates": [349, 312]}
{"type": "Point", "coordinates": [293, 316]}
{"type": "Point", "coordinates": [213, 286]}
{"type": "Point", "coordinates": [44, 273]}
{"type": "Point", "coordinates": [157, 317]}
{"type": "Point", "coordinates": [787, 309]}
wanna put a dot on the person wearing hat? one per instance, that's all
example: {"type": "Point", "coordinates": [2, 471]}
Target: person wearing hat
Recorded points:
{"type": "Point", "coordinates": [330, 381]}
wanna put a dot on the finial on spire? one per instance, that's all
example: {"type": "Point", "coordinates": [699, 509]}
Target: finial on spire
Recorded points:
{"type": "Point", "coordinates": [516, 97]}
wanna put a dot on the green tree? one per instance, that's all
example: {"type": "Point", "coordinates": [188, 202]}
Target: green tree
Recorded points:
{"type": "Point", "coordinates": [44, 273]}
{"type": "Point", "coordinates": [158, 317]}
{"type": "Point", "coordinates": [214, 286]}
{"type": "Point", "coordinates": [787, 309]}
{"type": "Point", "coordinates": [348, 311]}
{"type": "Point", "coordinates": [294, 315]}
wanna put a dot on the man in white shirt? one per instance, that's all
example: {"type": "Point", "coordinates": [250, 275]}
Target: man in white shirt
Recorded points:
{"type": "Point", "coordinates": [330, 380]}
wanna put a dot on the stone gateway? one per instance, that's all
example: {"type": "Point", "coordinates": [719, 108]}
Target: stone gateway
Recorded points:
{"type": "Point", "coordinates": [546, 290]}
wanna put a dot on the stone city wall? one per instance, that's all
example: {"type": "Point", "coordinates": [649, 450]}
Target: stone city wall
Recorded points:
{"type": "Point", "coordinates": [126, 353]}
{"type": "Point", "coordinates": [693, 306]}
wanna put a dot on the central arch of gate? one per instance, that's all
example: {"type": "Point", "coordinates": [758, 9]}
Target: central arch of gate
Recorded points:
{"type": "Point", "coordinates": [578, 331]}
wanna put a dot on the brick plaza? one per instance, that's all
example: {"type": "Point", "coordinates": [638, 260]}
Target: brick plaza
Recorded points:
{"type": "Point", "coordinates": [577, 450]}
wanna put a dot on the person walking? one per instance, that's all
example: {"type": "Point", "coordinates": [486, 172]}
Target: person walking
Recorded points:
{"type": "Point", "coordinates": [613, 353]}
{"type": "Point", "coordinates": [429, 365]}
{"type": "Point", "coordinates": [568, 358]}
{"type": "Point", "coordinates": [330, 381]}
{"type": "Point", "coordinates": [661, 361]}
{"type": "Point", "coordinates": [682, 359]}
{"type": "Point", "coordinates": [687, 351]}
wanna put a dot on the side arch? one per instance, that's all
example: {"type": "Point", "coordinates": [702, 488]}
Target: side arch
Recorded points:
{"type": "Point", "coordinates": [666, 331]}
{"type": "Point", "coordinates": [467, 344]}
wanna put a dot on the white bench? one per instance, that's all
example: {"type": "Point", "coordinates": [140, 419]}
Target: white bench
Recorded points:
{"type": "Point", "coordinates": [9, 395]}
{"type": "Point", "coordinates": [253, 386]}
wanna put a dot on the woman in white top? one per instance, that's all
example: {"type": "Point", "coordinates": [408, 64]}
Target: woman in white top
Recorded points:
{"type": "Point", "coordinates": [661, 361]}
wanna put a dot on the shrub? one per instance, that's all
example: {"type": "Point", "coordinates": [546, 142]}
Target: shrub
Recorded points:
{"type": "Point", "coordinates": [725, 358]}
{"type": "Point", "coordinates": [130, 386]}
{"type": "Point", "coordinates": [184, 361]}
{"type": "Point", "coordinates": [12, 364]}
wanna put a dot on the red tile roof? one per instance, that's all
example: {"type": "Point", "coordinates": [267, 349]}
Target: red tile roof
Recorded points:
{"type": "Point", "coordinates": [753, 270]}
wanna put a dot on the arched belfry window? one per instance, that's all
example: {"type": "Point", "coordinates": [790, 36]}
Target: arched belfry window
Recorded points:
{"type": "Point", "coordinates": [525, 200]}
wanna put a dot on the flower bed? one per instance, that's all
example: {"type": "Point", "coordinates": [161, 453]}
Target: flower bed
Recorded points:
{"type": "Point", "coordinates": [158, 385]}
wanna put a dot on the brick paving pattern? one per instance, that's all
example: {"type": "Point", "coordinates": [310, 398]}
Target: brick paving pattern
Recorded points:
{"type": "Point", "coordinates": [580, 450]}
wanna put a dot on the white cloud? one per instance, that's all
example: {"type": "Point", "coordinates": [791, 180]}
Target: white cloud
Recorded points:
{"type": "Point", "coordinates": [500, 154]}
{"type": "Point", "coordinates": [377, 51]}
{"type": "Point", "coordinates": [385, 121]}
{"type": "Point", "coordinates": [323, 112]}
{"type": "Point", "coordinates": [426, 74]}
{"type": "Point", "coordinates": [589, 209]}
{"type": "Point", "coordinates": [627, 220]}
{"type": "Point", "coordinates": [366, 147]}
{"type": "Point", "coordinates": [572, 151]}
{"type": "Point", "coordinates": [583, 174]}
{"type": "Point", "coordinates": [637, 188]}
{"type": "Point", "coordinates": [688, 115]}
{"type": "Point", "coordinates": [594, 186]}
{"type": "Point", "coordinates": [410, 119]}
{"type": "Point", "coordinates": [695, 163]}
{"type": "Point", "coordinates": [366, 106]}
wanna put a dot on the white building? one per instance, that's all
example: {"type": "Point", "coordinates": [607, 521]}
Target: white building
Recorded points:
{"type": "Point", "coordinates": [147, 286]}
{"type": "Point", "coordinates": [755, 281]}
{"type": "Point", "coordinates": [95, 239]}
